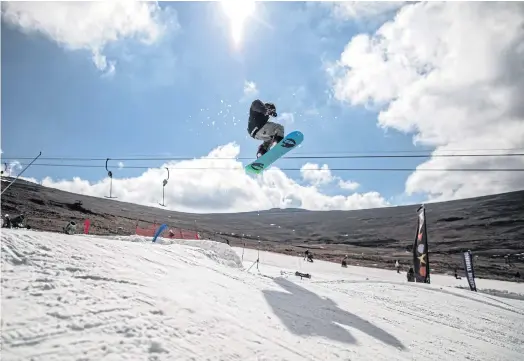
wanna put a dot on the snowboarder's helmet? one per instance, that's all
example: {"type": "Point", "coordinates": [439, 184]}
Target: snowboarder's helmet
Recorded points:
{"type": "Point", "coordinates": [270, 106]}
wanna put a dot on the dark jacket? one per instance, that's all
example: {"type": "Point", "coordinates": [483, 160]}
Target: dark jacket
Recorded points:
{"type": "Point", "coordinates": [257, 117]}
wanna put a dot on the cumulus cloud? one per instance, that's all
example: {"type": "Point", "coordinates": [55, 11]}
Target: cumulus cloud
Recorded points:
{"type": "Point", "coordinates": [11, 169]}
{"type": "Point", "coordinates": [316, 174]}
{"type": "Point", "coordinates": [349, 185]}
{"type": "Point", "coordinates": [215, 184]}
{"type": "Point", "coordinates": [451, 74]}
{"type": "Point", "coordinates": [89, 25]}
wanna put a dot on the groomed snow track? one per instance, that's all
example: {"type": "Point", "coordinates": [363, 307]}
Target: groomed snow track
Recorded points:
{"type": "Point", "coordinates": [125, 298]}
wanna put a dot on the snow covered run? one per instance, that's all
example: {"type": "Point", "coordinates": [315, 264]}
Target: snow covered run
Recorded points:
{"type": "Point", "coordinates": [125, 298]}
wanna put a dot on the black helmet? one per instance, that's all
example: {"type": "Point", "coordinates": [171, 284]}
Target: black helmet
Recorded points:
{"type": "Point", "coordinates": [271, 109]}
{"type": "Point", "coordinates": [270, 106]}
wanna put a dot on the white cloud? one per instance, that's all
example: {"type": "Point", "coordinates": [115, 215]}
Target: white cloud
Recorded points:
{"type": "Point", "coordinates": [11, 169]}
{"type": "Point", "coordinates": [203, 185]}
{"type": "Point", "coordinates": [349, 185]}
{"type": "Point", "coordinates": [364, 9]}
{"type": "Point", "coordinates": [321, 175]}
{"type": "Point", "coordinates": [89, 25]}
{"type": "Point", "coordinates": [29, 179]}
{"type": "Point", "coordinates": [315, 174]}
{"type": "Point", "coordinates": [250, 89]}
{"type": "Point", "coordinates": [120, 165]}
{"type": "Point", "coordinates": [286, 118]}
{"type": "Point", "coordinates": [451, 74]}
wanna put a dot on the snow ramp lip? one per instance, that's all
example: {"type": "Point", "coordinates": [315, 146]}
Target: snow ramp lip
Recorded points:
{"type": "Point", "coordinates": [218, 252]}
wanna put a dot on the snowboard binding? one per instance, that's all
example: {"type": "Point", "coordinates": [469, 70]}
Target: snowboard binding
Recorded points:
{"type": "Point", "coordinates": [263, 148]}
{"type": "Point", "coordinates": [269, 156]}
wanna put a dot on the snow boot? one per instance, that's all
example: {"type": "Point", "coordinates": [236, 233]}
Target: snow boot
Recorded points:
{"type": "Point", "coordinates": [262, 149]}
{"type": "Point", "coordinates": [277, 139]}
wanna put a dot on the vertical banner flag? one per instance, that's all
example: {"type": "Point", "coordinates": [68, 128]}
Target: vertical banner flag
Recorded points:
{"type": "Point", "coordinates": [159, 231]}
{"type": "Point", "coordinates": [87, 223]}
{"type": "Point", "coordinates": [420, 249]}
{"type": "Point", "coordinates": [470, 273]}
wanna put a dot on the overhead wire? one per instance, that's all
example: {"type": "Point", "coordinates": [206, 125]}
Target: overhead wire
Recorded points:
{"type": "Point", "coordinates": [361, 156]}
{"type": "Point", "coordinates": [298, 169]}
{"type": "Point", "coordinates": [153, 156]}
{"type": "Point", "coordinates": [349, 155]}
{"type": "Point", "coordinates": [419, 151]}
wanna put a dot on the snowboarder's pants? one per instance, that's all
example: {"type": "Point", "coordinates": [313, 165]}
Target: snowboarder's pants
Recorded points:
{"type": "Point", "coordinates": [269, 130]}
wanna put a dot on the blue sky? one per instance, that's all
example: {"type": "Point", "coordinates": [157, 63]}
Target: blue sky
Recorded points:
{"type": "Point", "coordinates": [183, 95]}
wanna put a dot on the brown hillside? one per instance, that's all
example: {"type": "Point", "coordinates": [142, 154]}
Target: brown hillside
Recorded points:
{"type": "Point", "coordinates": [491, 227]}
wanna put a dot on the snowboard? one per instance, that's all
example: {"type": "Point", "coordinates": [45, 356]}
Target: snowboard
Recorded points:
{"type": "Point", "coordinates": [280, 149]}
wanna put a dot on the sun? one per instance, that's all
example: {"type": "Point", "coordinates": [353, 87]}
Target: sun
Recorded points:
{"type": "Point", "coordinates": [238, 11]}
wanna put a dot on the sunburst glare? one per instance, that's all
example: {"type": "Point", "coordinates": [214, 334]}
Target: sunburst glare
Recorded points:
{"type": "Point", "coordinates": [238, 11]}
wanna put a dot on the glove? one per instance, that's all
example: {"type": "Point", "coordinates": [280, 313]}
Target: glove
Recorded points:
{"type": "Point", "coordinates": [271, 109]}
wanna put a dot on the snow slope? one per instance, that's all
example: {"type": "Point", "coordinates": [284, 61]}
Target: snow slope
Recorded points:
{"type": "Point", "coordinates": [333, 273]}
{"type": "Point", "coordinates": [124, 298]}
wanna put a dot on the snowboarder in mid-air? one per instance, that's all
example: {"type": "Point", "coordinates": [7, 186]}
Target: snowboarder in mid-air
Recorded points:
{"type": "Point", "coordinates": [260, 128]}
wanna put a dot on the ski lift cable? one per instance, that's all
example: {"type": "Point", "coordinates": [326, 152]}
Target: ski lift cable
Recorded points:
{"type": "Point", "coordinates": [347, 156]}
{"type": "Point", "coordinates": [297, 169]}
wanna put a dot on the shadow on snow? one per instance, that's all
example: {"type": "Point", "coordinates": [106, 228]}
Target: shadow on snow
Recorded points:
{"type": "Point", "coordinates": [305, 313]}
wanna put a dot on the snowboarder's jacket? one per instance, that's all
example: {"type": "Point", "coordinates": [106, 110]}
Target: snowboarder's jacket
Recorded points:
{"type": "Point", "coordinates": [257, 117]}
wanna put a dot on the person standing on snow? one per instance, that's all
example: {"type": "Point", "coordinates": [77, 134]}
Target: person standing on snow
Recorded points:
{"type": "Point", "coordinates": [345, 261]}
{"type": "Point", "coordinates": [70, 228]}
{"type": "Point", "coordinates": [260, 128]}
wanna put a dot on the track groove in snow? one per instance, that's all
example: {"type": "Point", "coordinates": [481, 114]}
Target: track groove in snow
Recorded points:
{"type": "Point", "coordinates": [124, 298]}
